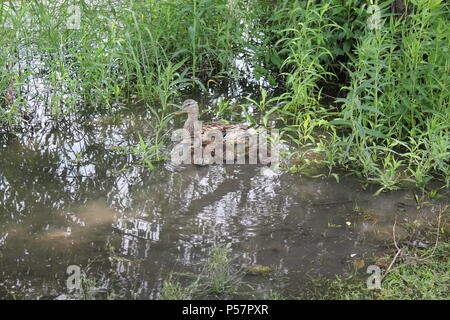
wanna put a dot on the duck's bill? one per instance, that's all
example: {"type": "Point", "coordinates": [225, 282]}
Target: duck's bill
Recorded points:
{"type": "Point", "coordinates": [180, 112]}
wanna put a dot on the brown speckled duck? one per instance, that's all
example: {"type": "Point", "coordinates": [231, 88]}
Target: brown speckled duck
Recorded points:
{"type": "Point", "coordinates": [190, 107]}
{"type": "Point", "coordinates": [235, 133]}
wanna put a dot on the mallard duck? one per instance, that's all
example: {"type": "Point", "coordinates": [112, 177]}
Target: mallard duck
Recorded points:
{"type": "Point", "coordinates": [190, 107]}
{"type": "Point", "coordinates": [234, 134]}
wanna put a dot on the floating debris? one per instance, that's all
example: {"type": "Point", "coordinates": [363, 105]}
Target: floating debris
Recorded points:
{"type": "Point", "coordinates": [258, 270]}
{"type": "Point", "coordinates": [359, 264]}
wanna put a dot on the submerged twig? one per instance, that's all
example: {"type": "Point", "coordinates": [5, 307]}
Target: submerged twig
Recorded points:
{"type": "Point", "coordinates": [396, 254]}
{"type": "Point", "coordinates": [437, 236]}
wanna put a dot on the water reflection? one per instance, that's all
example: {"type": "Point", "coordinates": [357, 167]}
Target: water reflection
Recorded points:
{"type": "Point", "coordinates": [70, 196]}
{"type": "Point", "coordinates": [138, 228]}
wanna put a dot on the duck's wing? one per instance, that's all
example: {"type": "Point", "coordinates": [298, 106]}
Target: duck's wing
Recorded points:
{"type": "Point", "coordinates": [223, 127]}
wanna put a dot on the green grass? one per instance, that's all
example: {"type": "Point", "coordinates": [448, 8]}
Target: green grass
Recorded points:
{"type": "Point", "coordinates": [218, 278]}
{"type": "Point", "coordinates": [174, 290]}
{"type": "Point", "coordinates": [388, 123]}
{"type": "Point", "coordinates": [151, 50]}
{"type": "Point", "coordinates": [386, 118]}
{"type": "Point", "coordinates": [219, 275]}
{"type": "Point", "coordinates": [428, 280]}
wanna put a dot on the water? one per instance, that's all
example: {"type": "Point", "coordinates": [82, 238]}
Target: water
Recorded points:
{"type": "Point", "coordinates": [70, 196]}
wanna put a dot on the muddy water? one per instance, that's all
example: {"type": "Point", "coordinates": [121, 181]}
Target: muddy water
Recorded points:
{"type": "Point", "coordinates": [70, 196]}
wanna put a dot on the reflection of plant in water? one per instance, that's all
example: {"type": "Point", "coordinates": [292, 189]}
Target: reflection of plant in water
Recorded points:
{"type": "Point", "coordinates": [91, 288]}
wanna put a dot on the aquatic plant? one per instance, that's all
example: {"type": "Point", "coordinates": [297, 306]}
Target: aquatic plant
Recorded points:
{"type": "Point", "coordinates": [220, 276]}
{"type": "Point", "coordinates": [174, 290]}
{"type": "Point", "coordinates": [387, 120]}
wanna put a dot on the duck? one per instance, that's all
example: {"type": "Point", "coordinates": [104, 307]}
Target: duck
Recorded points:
{"type": "Point", "coordinates": [232, 133]}
{"type": "Point", "coordinates": [190, 107]}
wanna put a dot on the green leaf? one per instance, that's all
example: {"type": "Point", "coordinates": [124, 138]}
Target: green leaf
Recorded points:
{"type": "Point", "coordinates": [372, 109]}
{"type": "Point", "coordinates": [340, 122]}
{"type": "Point", "coordinates": [374, 133]}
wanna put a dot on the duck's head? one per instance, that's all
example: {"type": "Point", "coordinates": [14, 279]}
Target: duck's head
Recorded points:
{"type": "Point", "coordinates": [190, 107]}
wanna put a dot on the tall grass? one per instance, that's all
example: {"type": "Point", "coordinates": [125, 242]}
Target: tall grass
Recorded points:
{"type": "Point", "coordinates": [396, 106]}
{"type": "Point", "coordinates": [389, 122]}
{"type": "Point", "coordinates": [144, 50]}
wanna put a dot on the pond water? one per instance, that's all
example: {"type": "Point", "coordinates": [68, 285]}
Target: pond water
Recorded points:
{"type": "Point", "coordinates": [70, 196]}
